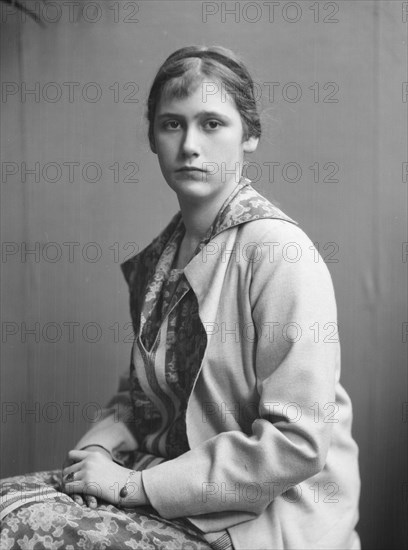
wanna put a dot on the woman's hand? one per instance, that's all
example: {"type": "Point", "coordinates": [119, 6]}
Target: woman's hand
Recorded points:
{"type": "Point", "coordinates": [86, 500]}
{"type": "Point", "coordinates": [94, 474]}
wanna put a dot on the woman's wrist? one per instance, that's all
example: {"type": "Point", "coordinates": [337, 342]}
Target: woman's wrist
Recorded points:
{"type": "Point", "coordinates": [131, 492]}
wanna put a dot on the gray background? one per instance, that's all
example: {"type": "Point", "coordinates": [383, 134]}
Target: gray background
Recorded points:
{"type": "Point", "coordinates": [364, 133]}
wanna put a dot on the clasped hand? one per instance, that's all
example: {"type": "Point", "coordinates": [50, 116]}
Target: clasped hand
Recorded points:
{"type": "Point", "coordinates": [88, 475]}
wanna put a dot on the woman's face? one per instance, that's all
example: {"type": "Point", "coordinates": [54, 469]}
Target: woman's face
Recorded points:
{"type": "Point", "coordinates": [199, 142]}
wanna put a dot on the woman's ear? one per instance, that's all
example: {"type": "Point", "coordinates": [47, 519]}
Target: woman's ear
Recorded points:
{"type": "Point", "coordinates": [250, 144]}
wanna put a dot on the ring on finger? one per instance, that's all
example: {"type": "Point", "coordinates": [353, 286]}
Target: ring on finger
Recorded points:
{"type": "Point", "coordinates": [70, 477]}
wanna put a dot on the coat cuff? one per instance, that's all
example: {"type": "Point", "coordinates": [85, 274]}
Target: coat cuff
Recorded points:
{"type": "Point", "coordinates": [155, 490]}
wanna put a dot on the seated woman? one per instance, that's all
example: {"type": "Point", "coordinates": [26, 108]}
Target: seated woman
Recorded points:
{"type": "Point", "coordinates": [232, 430]}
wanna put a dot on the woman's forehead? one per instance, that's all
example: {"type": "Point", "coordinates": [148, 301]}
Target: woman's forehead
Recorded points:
{"type": "Point", "coordinates": [207, 94]}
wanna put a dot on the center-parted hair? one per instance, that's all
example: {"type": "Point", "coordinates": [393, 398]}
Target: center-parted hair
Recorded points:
{"type": "Point", "coordinates": [186, 69]}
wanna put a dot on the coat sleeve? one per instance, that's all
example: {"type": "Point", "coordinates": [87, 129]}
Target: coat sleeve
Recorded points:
{"type": "Point", "coordinates": [233, 476]}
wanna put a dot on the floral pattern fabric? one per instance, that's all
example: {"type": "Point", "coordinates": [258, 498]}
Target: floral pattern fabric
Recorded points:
{"type": "Point", "coordinates": [55, 521]}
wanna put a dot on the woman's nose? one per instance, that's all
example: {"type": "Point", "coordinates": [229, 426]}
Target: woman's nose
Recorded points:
{"type": "Point", "coordinates": [190, 145]}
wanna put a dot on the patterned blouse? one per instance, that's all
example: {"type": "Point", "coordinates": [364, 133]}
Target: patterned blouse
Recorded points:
{"type": "Point", "coordinates": [166, 370]}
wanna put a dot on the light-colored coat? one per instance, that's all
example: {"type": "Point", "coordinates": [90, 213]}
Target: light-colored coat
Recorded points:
{"type": "Point", "coordinates": [272, 458]}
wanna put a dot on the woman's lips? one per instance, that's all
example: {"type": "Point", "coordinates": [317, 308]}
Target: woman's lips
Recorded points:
{"type": "Point", "coordinates": [190, 169]}
{"type": "Point", "coordinates": [196, 174]}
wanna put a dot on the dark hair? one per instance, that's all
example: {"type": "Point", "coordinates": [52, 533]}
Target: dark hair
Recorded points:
{"type": "Point", "coordinates": [182, 72]}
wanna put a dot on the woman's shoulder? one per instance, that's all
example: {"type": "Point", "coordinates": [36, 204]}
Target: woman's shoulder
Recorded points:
{"type": "Point", "coordinates": [283, 251]}
{"type": "Point", "coordinates": [275, 229]}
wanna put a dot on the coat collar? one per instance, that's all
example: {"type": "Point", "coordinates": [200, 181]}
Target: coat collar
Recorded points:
{"type": "Point", "coordinates": [243, 205]}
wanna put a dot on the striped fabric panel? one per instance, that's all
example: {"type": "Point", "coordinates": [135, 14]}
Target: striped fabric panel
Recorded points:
{"type": "Point", "coordinates": [223, 543]}
{"type": "Point", "coordinates": [147, 461]}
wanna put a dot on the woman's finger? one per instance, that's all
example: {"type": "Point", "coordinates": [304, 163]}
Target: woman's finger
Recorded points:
{"type": "Point", "coordinates": [71, 473]}
{"type": "Point", "coordinates": [73, 456]}
{"type": "Point", "coordinates": [72, 479]}
{"type": "Point", "coordinates": [76, 455]}
{"type": "Point", "coordinates": [91, 501]}
{"type": "Point", "coordinates": [73, 488]}
{"type": "Point", "coordinates": [78, 499]}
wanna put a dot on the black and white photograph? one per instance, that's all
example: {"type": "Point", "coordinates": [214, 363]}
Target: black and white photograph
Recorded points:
{"type": "Point", "coordinates": [203, 297]}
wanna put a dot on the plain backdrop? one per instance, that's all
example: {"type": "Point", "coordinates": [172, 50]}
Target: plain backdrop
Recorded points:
{"type": "Point", "coordinates": [82, 190]}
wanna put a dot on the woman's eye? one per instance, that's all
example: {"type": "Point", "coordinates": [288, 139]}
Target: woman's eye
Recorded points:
{"type": "Point", "coordinates": [172, 125]}
{"type": "Point", "coordinates": [212, 124]}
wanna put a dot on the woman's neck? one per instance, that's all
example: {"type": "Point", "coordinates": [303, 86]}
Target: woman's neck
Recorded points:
{"type": "Point", "coordinates": [198, 215]}
{"type": "Point", "coordinates": [197, 219]}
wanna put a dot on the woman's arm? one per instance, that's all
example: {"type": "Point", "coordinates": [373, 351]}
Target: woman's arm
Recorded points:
{"type": "Point", "coordinates": [112, 433]}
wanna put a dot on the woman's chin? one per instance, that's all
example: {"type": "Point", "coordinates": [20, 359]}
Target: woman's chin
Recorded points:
{"type": "Point", "coordinates": [191, 187]}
